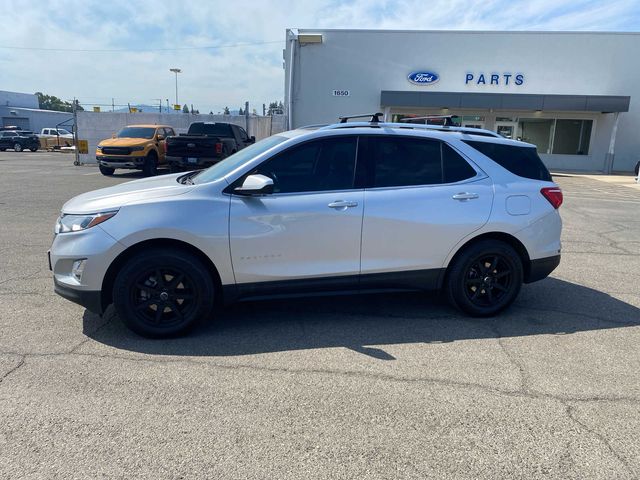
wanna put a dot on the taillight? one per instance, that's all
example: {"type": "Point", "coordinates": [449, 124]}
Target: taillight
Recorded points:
{"type": "Point", "coordinates": [218, 148]}
{"type": "Point", "coordinates": [553, 194]}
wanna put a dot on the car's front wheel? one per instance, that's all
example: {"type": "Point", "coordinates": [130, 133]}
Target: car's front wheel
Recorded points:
{"type": "Point", "coordinates": [162, 293]}
{"type": "Point", "coordinates": [108, 171]}
{"type": "Point", "coordinates": [485, 278]}
{"type": "Point", "coordinates": [150, 166]}
{"type": "Point", "coordinates": [17, 147]}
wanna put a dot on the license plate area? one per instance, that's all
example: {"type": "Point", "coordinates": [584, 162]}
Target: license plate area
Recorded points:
{"type": "Point", "coordinates": [192, 160]}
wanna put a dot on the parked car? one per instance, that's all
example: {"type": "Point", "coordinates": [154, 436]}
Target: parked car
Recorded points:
{"type": "Point", "coordinates": [204, 144]}
{"type": "Point", "coordinates": [56, 137]}
{"type": "Point", "coordinates": [137, 147]}
{"type": "Point", "coordinates": [350, 206]}
{"type": "Point", "coordinates": [18, 140]}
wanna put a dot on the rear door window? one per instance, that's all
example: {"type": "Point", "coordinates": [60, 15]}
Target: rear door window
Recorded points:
{"type": "Point", "coordinates": [521, 161]}
{"type": "Point", "coordinates": [403, 161]}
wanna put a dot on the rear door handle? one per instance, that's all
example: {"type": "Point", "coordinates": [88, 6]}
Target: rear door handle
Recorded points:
{"type": "Point", "coordinates": [342, 204]}
{"type": "Point", "coordinates": [465, 196]}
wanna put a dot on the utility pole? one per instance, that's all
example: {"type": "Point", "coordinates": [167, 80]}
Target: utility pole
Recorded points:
{"type": "Point", "coordinates": [75, 132]}
{"type": "Point", "coordinates": [113, 105]}
{"type": "Point", "coordinates": [246, 117]}
{"type": "Point", "coordinates": [176, 71]}
{"type": "Point", "coordinates": [264, 110]}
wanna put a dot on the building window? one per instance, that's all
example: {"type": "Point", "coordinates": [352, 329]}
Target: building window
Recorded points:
{"type": "Point", "coordinates": [536, 131]}
{"type": "Point", "coordinates": [571, 137]}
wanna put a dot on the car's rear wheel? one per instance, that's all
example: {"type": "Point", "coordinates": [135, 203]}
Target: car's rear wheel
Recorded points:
{"type": "Point", "coordinates": [485, 278]}
{"type": "Point", "coordinates": [34, 149]}
{"type": "Point", "coordinates": [162, 294]}
{"type": "Point", "coordinates": [108, 171]}
{"type": "Point", "coordinates": [17, 147]}
{"type": "Point", "coordinates": [150, 166]}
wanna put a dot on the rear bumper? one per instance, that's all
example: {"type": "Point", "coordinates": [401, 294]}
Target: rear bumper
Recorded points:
{"type": "Point", "coordinates": [541, 268]}
{"type": "Point", "coordinates": [91, 300]}
{"type": "Point", "coordinates": [185, 162]}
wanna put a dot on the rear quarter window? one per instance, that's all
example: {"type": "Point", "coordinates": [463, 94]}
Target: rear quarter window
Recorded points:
{"type": "Point", "coordinates": [521, 161]}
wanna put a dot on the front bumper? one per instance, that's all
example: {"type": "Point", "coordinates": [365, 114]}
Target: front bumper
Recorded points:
{"type": "Point", "coordinates": [89, 299]}
{"type": "Point", "coordinates": [98, 249]}
{"type": "Point", "coordinates": [120, 161]}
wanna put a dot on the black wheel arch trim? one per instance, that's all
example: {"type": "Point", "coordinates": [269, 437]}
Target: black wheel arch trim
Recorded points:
{"type": "Point", "coordinates": [171, 244]}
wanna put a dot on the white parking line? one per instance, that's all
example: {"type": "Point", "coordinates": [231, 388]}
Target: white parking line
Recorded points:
{"type": "Point", "coordinates": [92, 173]}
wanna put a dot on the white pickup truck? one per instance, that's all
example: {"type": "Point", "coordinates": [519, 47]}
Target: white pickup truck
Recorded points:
{"type": "Point", "coordinates": [56, 136]}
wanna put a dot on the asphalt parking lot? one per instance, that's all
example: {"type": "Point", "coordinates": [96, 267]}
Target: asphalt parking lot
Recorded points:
{"type": "Point", "coordinates": [377, 386]}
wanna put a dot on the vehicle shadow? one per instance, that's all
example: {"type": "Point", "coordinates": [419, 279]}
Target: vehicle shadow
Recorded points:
{"type": "Point", "coordinates": [361, 322]}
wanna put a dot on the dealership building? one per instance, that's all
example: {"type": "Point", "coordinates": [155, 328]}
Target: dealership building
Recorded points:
{"type": "Point", "coordinates": [575, 95]}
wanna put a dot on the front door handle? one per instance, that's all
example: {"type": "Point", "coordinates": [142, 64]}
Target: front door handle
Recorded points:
{"type": "Point", "coordinates": [342, 204]}
{"type": "Point", "coordinates": [465, 196]}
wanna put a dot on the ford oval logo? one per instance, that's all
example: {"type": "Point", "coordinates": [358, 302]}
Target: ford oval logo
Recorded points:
{"type": "Point", "coordinates": [423, 78]}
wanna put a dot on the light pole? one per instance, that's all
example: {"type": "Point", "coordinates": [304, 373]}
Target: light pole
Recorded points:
{"type": "Point", "coordinates": [176, 71]}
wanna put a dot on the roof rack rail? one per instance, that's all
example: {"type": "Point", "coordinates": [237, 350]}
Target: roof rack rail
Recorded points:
{"type": "Point", "coordinates": [448, 119]}
{"type": "Point", "coordinates": [416, 126]}
{"type": "Point", "coordinates": [375, 117]}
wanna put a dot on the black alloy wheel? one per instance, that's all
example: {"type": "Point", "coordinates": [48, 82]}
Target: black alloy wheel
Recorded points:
{"type": "Point", "coordinates": [485, 278]}
{"type": "Point", "coordinates": [163, 297]}
{"type": "Point", "coordinates": [488, 280]}
{"type": "Point", "coordinates": [108, 171]}
{"type": "Point", "coordinates": [163, 294]}
{"type": "Point", "coordinates": [150, 165]}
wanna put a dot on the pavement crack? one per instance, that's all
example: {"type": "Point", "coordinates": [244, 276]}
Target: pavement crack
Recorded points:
{"type": "Point", "coordinates": [20, 363]}
{"type": "Point", "coordinates": [570, 410]}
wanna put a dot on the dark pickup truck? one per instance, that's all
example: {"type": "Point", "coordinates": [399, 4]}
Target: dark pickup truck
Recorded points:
{"type": "Point", "coordinates": [204, 144]}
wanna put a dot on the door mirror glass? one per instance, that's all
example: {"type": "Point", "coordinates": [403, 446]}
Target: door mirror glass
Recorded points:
{"type": "Point", "coordinates": [255, 185]}
{"type": "Point", "coordinates": [252, 139]}
{"type": "Point", "coordinates": [160, 137]}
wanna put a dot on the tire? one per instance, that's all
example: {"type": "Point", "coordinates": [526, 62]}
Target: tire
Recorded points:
{"type": "Point", "coordinates": [17, 147]}
{"type": "Point", "coordinates": [3, 149]}
{"type": "Point", "coordinates": [150, 167]}
{"type": "Point", "coordinates": [108, 171]}
{"type": "Point", "coordinates": [34, 149]}
{"type": "Point", "coordinates": [637, 169]}
{"type": "Point", "coordinates": [485, 278]}
{"type": "Point", "coordinates": [162, 308]}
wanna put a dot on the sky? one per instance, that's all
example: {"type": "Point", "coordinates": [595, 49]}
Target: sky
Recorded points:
{"type": "Point", "coordinates": [231, 51]}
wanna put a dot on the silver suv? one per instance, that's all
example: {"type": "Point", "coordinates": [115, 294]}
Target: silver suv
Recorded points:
{"type": "Point", "coordinates": [346, 207]}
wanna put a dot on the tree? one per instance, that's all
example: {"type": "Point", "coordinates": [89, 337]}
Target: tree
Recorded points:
{"type": "Point", "coordinates": [240, 112]}
{"type": "Point", "coordinates": [51, 102]}
{"type": "Point", "coordinates": [275, 108]}
{"type": "Point", "coordinates": [185, 109]}
{"type": "Point", "coordinates": [226, 111]}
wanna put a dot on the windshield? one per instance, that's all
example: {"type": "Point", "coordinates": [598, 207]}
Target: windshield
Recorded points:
{"type": "Point", "coordinates": [136, 132]}
{"type": "Point", "coordinates": [222, 129]}
{"type": "Point", "coordinates": [232, 162]}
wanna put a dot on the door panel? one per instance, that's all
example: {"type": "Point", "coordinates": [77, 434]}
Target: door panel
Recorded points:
{"type": "Point", "coordinates": [282, 237]}
{"type": "Point", "coordinates": [310, 226]}
{"type": "Point", "coordinates": [415, 228]}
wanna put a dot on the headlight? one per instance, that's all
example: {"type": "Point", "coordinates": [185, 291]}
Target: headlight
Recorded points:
{"type": "Point", "coordinates": [76, 223]}
{"type": "Point", "coordinates": [137, 149]}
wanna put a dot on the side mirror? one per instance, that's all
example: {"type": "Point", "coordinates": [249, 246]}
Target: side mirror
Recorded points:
{"type": "Point", "coordinates": [255, 185]}
{"type": "Point", "coordinates": [160, 137]}
{"type": "Point", "coordinates": [252, 139]}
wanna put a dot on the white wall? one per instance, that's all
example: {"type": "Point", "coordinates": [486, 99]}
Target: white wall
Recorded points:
{"type": "Point", "coordinates": [365, 62]}
{"type": "Point", "coordinates": [94, 127]}
{"type": "Point", "coordinates": [15, 99]}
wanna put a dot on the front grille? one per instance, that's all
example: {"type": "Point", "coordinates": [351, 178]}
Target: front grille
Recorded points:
{"type": "Point", "coordinates": [116, 150]}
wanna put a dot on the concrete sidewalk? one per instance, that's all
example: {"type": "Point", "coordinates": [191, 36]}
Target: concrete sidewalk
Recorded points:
{"type": "Point", "coordinates": [627, 180]}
